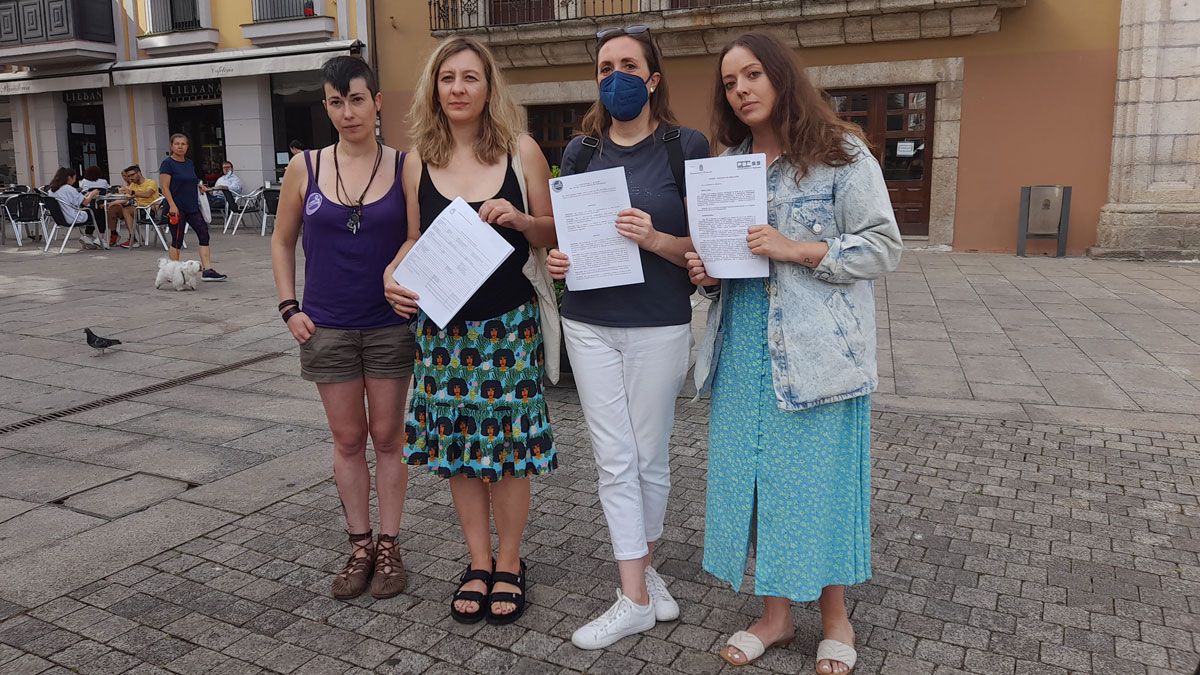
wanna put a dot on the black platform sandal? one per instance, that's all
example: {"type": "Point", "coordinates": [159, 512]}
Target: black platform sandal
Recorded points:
{"type": "Point", "coordinates": [517, 599]}
{"type": "Point", "coordinates": [476, 597]}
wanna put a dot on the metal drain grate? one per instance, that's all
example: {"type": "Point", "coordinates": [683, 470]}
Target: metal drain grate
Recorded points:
{"type": "Point", "coordinates": [109, 400]}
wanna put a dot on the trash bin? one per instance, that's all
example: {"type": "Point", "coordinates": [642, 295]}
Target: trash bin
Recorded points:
{"type": "Point", "coordinates": [1045, 213]}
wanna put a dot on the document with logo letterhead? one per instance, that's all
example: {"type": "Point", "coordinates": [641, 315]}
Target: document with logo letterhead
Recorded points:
{"type": "Point", "coordinates": [451, 260]}
{"type": "Point", "coordinates": [726, 196]}
{"type": "Point", "coordinates": [585, 218]}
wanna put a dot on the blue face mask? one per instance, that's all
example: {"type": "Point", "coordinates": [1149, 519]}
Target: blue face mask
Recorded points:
{"type": "Point", "coordinates": [623, 95]}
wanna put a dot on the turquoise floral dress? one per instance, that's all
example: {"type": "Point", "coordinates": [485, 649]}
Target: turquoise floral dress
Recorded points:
{"type": "Point", "coordinates": [806, 473]}
{"type": "Point", "coordinates": [476, 407]}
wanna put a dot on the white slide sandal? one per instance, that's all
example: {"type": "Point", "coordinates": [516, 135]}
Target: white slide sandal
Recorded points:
{"type": "Point", "coordinates": [832, 650]}
{"type": "Point", "coordinates": [750, 646]}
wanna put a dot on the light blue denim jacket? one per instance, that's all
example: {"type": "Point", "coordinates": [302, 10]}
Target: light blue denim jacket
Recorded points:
{"type": "Point", "coordinates": [821, 325]}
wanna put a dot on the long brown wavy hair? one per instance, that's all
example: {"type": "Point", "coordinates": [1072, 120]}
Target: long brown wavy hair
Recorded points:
{"type": "Point", "coordinates": [810, 132]}
{"type": "Point", "coordinates": [499, 125]}
{"type": "Point", "coordinates": [597, 120]}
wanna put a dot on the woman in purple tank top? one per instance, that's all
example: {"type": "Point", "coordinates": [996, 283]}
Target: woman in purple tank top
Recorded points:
{"type": "Point", "coordinates": [349, 197]}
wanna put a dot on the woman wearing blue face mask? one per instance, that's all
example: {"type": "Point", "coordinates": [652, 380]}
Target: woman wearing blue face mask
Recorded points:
{"type": "Point", "coordinates": [629, 345]}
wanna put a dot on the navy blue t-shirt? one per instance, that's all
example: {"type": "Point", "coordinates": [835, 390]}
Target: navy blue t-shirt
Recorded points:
{"type": "Point", "coordinates": [663, 298]}
{"type": "Point", "coordinates": [184, 183]}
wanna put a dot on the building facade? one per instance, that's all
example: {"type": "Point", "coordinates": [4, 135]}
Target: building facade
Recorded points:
{"type": "Point", "coordinates": [106, 83]}
{"type": "Point", "coordinates": [965, 101]}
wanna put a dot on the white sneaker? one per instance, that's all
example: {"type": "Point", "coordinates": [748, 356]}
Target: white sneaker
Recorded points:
{"type": "Point", "coordinates": [665, 607]}
{"type": "Point", "coordinates": [623, 619]}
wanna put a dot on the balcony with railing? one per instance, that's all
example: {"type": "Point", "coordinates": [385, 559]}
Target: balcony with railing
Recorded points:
{"type": "Point", "coordinates": [528, 33]}
{"type": "Point", "coordinates": [283, 22]}
{"type": "Point", "coordinates": [40, 33]}
{"type": "Point", "coordinates": [179, 27]}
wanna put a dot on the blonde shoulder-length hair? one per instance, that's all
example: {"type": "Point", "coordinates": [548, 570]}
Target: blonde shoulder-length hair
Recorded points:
{"type": "Point", "coordinates": [499, 126]}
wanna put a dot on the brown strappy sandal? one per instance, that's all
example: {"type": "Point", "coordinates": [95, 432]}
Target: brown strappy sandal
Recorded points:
{"type": "Point", "coordinates": [352, 581]}
{"type": "Point", "coordinates": [390, 576]}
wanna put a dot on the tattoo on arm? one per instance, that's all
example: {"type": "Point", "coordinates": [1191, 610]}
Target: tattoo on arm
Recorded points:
{"type": "Point", "coordinates": [809, 261]}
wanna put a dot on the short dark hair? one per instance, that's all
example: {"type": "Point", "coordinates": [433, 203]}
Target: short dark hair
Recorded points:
{"type": "Point", "coordinates": [93, 173]}
{"type": "Point", "coordinates": [295, 144]}
{"type": "Point", "coordinates": [340, 71]}
{"type": "Point", "coordinates": [227, 162]}
{"type": "Point", "coordinates": [132, 167]}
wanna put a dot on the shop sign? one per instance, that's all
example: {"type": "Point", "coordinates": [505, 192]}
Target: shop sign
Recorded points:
{"type": "Point", "coordinates": [196, 91]}
{"type": "Point", "coordinates": [83, 97]}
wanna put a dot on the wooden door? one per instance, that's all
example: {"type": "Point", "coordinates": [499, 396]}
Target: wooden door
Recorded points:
{"type": "Point", "coordinates": [553, 126]}
{"type": "Point", "coordinates": [898, 122]}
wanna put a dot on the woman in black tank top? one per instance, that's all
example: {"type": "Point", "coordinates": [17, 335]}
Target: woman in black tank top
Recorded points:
{"type": "Point", "coordinates": [507, 287]}
{"type": "Point", "coordinates": [476, 414]}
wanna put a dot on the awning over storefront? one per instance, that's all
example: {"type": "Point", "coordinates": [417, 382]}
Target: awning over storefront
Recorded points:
{"type": "Point", "coordinates": [232, 63]}
{"type": "Point", "coordinates": [33, 82]}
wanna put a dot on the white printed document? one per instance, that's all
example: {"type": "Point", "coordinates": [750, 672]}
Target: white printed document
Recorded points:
{"type": "Point", "coordinates": [726, 197]}
{"type": "Point", "coordinates": [451, 261]}
{"type": "Point", "coordinates": [585, 217]}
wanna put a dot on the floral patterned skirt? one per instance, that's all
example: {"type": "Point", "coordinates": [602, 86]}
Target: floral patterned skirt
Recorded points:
{"type": "Point", "coordinates": [476, 408]}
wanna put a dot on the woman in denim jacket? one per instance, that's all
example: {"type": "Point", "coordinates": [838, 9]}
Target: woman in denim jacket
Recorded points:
{"type": "Point", "coordinates": [789, 436]}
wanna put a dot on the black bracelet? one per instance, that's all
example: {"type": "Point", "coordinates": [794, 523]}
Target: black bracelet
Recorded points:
{"type": "Point", "coordinates": [290, 313]}
{"type": "Point", "coordinates": [293, 302]}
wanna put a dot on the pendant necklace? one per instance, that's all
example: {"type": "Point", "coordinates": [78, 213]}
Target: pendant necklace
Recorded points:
{"type": "Point", "coordinates": [343, 195]}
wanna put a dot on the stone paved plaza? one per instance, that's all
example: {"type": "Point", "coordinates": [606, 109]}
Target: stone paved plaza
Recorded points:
{"type": "Point", "coordinates": [1036, 469]}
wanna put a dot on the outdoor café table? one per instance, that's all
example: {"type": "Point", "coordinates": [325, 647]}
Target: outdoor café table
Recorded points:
{"type": "Point", "coordinates": [107, 199]}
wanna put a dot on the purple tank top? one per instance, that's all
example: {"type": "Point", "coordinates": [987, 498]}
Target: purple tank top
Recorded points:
{"type": "Point", "coordinates": [343, 270]}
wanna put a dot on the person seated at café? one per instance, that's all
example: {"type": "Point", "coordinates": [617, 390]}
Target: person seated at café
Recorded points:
{"type": "Point", "coordinates": [75, 205]}
{"type": "Point", "coordinates": [142, 191]}
{"type": "Point", "coordinates": [93, 179]}
{"type": "Point", "coordinates": [229, 180]}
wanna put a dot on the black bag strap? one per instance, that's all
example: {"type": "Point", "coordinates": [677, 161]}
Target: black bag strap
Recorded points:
{"type": "Point", "coordinates": [674, 156]}
{"type": "Point", "coordinates": [590, 143]}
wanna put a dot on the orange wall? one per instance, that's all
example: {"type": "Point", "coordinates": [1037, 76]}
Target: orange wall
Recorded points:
{"type": "Point", "coordinates": [1027, 120]}
{"type": "Point", "coordinates": [1038, 101]}
{"type": "Point", "coordinates": [402, 43]}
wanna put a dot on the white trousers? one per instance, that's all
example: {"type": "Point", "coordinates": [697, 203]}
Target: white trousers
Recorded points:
{"type": "Point", "coordinates": [627, 379]}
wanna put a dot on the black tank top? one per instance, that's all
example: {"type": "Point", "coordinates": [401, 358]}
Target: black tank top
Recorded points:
{"type": "Point", "coordinates": [507, 288]}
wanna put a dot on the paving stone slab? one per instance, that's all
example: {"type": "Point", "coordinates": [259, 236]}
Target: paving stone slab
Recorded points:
{"type": "Point", "coordinates": [125, 495]}
{"type": "Point", "coordinates": [76, 561]}
{"type": "Point", "coordinates": [253, 489]}
{"type": "Point", "coordinates": [41, 527]}
{"type": "Point", "coordinates": [67, 438]}
{"type": "Point", "coordinates": [35, 478]}
{"type": "Point", "coordinates": [194, 426]}
{"type": "Point", "coordinates": [10, 508]}
{"type": "Point", "coordinates": [172, 458]}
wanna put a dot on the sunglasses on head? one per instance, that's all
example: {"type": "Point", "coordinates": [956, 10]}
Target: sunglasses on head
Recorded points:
{"type": "Point", "coordinates": [605, 33]}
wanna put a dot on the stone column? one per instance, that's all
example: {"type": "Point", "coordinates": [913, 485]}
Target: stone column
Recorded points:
{"type": "Point", "coordinates": [44, 118]}
{"type": "Point", "coordinates": [1154, 185]}
{"type": "Point", "coordinates": [118, 133]}
{"type": "Point", "coordinates": [150, 126]}
{"type": "Point", "coordinates": [249, 128]}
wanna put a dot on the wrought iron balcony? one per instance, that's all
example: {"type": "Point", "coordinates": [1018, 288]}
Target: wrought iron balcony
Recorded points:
{"type": "Point", "coordinates": [179, 27]}
{"type": "Point", "coordinates": [447, 15]}
{"type": "Point", "coordinates": [282, 22]}
{"type": "Point", "coordinates": [56, 32]}
{"type": "Point", "coordinates": [274, 10]}
{"type": "Point", "coordinates": [531, 33]}
{"type": "Point", "coordinates": [174, 15]}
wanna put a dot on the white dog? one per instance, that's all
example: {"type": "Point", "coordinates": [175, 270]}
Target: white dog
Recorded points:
{"type": "Point", "coordinates": [182, 276]}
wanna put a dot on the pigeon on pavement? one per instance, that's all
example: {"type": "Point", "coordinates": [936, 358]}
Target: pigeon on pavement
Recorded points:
{"type": "Point", "coordinates": [99, 343]}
